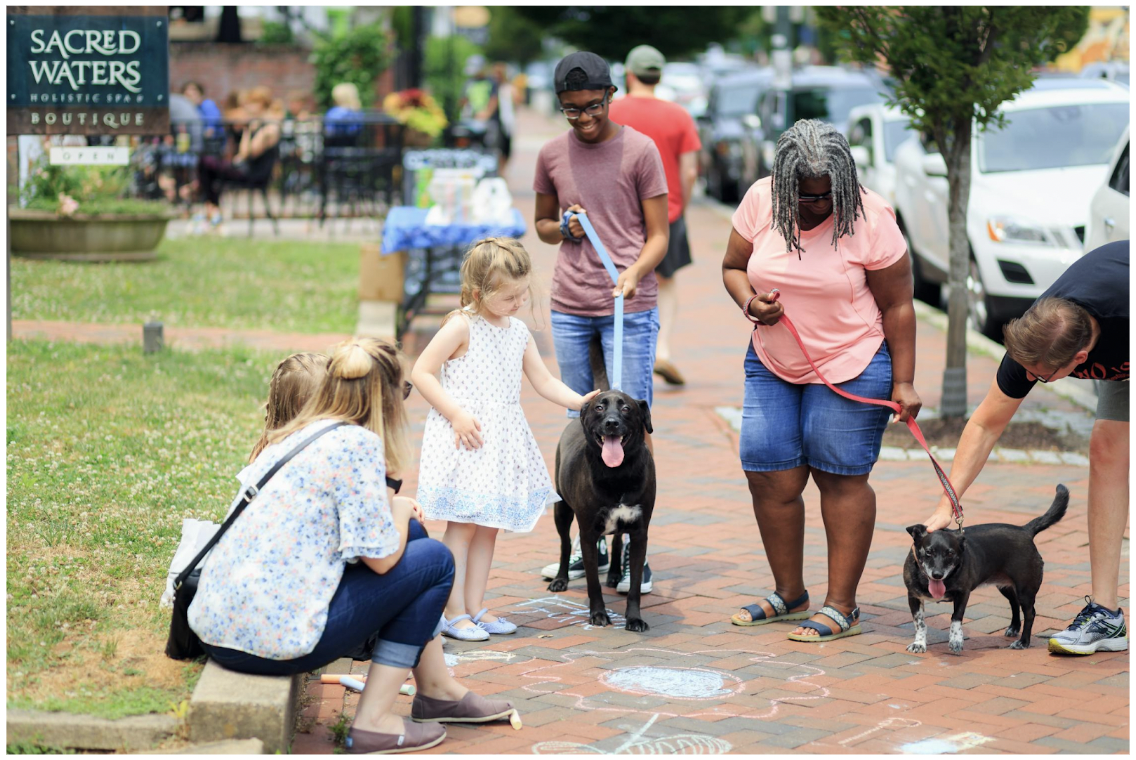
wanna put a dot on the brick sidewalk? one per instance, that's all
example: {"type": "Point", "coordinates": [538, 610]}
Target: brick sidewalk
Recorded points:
{"type": "Point", "coordinates": [696, 683]}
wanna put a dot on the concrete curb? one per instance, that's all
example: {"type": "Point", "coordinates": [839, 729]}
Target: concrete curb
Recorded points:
{"type": "Point", "coordinates": [70, 731]}
{"type": "Point", "coordinates": [233, 747]}
{"type": "Point", "coordinates": [228, 705]}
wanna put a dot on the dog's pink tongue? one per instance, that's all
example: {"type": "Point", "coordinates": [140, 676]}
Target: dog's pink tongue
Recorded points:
{"type": "Point", "coordinates": [612, 451]}
{"type": "Point", "coordinates": [938, 589]}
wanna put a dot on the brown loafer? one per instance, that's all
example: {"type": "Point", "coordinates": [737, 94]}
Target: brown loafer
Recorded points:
{"type": "Point", "coordinates": [669, 372]}
{"type": "Point", "coordinates": [413, 738]}
{"type": "Point", "coordinates": [469, 709]}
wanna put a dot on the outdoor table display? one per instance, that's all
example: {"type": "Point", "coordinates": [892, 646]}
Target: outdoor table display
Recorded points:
{"type": "Point", "coordinates": [432, 254]}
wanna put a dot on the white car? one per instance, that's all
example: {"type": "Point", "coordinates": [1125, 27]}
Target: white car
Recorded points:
{"type": "Point", "coordinates": [1109, 210]}
{"type": "Point", "coordinates": [1029, 188]}
{"type": "Point", "coordinates": [875, 132]}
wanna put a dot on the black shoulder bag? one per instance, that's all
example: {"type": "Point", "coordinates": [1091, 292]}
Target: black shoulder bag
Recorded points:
{"type": "Point", "coordinates": [183, 643]}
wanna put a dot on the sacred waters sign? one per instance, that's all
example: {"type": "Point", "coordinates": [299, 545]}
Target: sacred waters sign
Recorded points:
{"type": "Point", "coordinates": [88, 70]}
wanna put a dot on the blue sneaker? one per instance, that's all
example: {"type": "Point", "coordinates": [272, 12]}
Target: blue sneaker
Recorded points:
{"type": "Point", "coordinates": [1095, 629]}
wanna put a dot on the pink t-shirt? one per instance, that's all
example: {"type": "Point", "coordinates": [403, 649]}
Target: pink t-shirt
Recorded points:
{"type": "Point", "coordinates": [609, 180]}
{"type": "Point", "coordinates": [673, 131]}
{"type": "Point", "coordinates": [825, 292]}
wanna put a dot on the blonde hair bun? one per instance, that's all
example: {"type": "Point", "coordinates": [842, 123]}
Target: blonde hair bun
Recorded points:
{"type": "Point", "coordinates": [350, 361]}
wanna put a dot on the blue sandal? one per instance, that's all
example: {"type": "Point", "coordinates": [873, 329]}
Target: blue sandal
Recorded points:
{"type": "Point", "coordinates": [849, 626]}
{"type": "Point", "coordinates": [757, 614]}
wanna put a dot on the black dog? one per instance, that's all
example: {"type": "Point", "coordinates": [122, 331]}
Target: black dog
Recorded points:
{"type": "Point", "coordinates": [605, 476]}
{"type": "Point", "coordinates": [949, 564]}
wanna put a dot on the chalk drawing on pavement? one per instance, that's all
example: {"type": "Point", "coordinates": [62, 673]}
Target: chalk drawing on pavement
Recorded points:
{"type": "Point", "coordinates": [678, 683]}
{"type": "Point", "coordinates": [561, 608]}
{"type": "Point", "coordinates": [892, 723]}
{"type": "Point", "coordinates": [946, 745]}
{"type": "Point", "coordinates": [477, 655]}
{"type": "Point", "coordinates": [639, 744]}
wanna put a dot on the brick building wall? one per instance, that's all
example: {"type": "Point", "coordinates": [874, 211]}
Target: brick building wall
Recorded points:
{"type": "Point", "coordinates": [222, 69]}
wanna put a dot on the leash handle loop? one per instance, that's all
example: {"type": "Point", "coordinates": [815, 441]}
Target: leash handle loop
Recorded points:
{"type": "Point", "coordinates": [616, 379]}
{"type": "Point", "coordinates": [912, 425]}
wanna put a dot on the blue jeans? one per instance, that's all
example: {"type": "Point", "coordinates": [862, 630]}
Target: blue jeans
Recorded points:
{"type": "Point", "coordinates": [404, 606]}
{"type": "Point", "coordinates": [572, 335]}
{"type": "Point", "coordinates": [786, 425]}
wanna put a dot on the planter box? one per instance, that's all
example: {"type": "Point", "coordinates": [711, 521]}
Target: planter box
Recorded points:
{"type": "Point", "coordinates": [107, 237]}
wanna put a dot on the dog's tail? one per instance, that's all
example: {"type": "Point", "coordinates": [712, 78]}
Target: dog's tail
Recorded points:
{"type": "Point", "coordinates": [1055, 513]}
{"type": "Point", "coordinates": [596, 360]}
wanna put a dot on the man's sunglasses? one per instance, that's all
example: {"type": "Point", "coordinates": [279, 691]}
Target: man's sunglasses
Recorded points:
{"type": "Point", "coordinates": [1045, 379]}
{"type": "Point", "coordinates": [595, 109]}
{"type": "Point", "coordinates": [406, 389]}
{"type": "Point", "coordinates": [803, 198]}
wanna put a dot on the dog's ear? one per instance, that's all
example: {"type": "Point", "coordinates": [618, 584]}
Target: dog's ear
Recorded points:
{"type": "Point", "coordinates": [918, 532]}
{"type": "Point", "coordinates": [961, 542]}
{"type": "Point", "coordinates": [646, 411]}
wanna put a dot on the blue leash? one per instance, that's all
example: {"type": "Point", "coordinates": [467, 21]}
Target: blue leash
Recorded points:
{"type": "Point", "coordinates": [616, 378]}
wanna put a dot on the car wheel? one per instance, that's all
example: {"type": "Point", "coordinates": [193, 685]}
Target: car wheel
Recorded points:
{"type": "Point", "coordinates": [981, 315]}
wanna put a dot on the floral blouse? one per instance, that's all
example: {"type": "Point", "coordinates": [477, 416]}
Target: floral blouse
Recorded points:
{"type": "Point", "coordinates": [266, 586]}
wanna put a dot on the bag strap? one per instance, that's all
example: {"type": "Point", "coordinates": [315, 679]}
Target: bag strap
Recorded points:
{"type": "Point", "coordinates": [246, 498]}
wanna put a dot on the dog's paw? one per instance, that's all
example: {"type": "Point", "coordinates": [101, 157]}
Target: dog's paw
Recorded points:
{"type": "Point", "coordinates": [1012, 632]}
{"type": "Point", "coordinates": [600, 619]}
{"type": "Point", "coordinates": [1019, 645]}
{"type": "Point", "coordinates": [955, 647]}
{"type": "Point", "coordinates": [613, 580]}
{"type": "Point", "coordinates": [638, 625]}
{"type": "Point", "coordinates": [558, 584]}
{"type": "Point", "coordinates": [917, 647]}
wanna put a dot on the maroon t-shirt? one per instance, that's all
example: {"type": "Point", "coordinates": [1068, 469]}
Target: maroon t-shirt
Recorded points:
{"type": "Point", "coordinates": [609, 180]}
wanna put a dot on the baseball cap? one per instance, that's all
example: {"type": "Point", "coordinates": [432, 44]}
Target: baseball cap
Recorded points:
{"type": "Point", "coordinates": [644, 59]}
{"type": "Point", "coordinates": [597, 75]}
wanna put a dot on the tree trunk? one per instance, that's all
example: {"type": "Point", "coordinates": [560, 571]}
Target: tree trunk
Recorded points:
{"type": "Point", "coordinates": [958, 175]}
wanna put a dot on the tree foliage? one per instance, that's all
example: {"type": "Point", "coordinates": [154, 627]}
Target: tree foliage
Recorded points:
{"type": "Point", "coordinates": [611, 31]}
{"type": "Point", "coordinates": [512, 36]}
{"type": "Point", "coordinates": [953, 66]}
{"type": "Point", "coordinates": [358, 56]}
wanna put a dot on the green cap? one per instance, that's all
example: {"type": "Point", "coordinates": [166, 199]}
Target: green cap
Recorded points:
{"type": "Point", "coordinates": [644, 59]}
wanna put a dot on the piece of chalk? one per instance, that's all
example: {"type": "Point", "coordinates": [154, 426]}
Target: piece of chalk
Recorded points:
{"type": "Point", "coordinates": [352, 683]}
{"type": "Point", "coordinates": [330, 678]}
{"type": "Point", "coordinates": [515, 719]}
{"type": "Point", "coordinates": [408, 689]}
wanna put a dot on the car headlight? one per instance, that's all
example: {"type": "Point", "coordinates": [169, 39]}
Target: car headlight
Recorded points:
{"type": "Point", "coordinates": [1008, 229]}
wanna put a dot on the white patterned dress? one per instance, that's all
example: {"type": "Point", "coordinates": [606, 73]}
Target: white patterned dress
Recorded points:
{"type": "Point", "coordinates": [504, 484]}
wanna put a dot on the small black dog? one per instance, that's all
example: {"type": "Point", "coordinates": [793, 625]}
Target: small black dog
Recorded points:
{"type": "Point", "coordinates": [948, 565]}
{"type": "Point", "coordinates": [605, 476]}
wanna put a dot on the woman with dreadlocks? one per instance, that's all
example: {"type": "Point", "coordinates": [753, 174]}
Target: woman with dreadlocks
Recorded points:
{"type": "Point", "coordinates": [834, 251]}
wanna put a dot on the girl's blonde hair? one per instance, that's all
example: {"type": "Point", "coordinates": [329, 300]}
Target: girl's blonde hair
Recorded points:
{"type": "Point", "coordinates": [292, 384]}
{"type": "Point", "coordinates": [488, 264]}
{"type": "Point", "coordinates": [363, 386]}
{"type": "Point", "coordinates": [346, 95]}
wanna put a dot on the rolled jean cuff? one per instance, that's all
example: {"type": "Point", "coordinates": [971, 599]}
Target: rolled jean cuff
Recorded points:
{"type": "Point", "coordinates": [396, 655]}
{"type": "Point", "coordinates": [438, 628]}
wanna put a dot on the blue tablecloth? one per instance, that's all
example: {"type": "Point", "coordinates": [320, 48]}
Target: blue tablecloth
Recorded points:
{"type": "Point", "coordinates": [405, 227]}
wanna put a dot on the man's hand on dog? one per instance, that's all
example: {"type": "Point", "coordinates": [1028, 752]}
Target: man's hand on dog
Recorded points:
{"type": "Point", "coordinates": [942, 517]}
{"type": "Point", "coordinates": [766, 309]}
{"type": "Point", "coordinates": [909, 402]}
{"type": "Point", "coordinates": [467, 430]}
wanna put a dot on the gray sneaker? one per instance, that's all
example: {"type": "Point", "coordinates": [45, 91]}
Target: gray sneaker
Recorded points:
{"type": "Point", "coordinates": [576, 562]}
{"type": "Point", "coordinates": [1095, 629]}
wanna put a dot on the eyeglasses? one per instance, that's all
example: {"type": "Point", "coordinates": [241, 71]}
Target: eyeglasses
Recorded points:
{"type": "Point", "coordinates": [595, 109]}
{"type": "Point", "coordinates": [802, 198]}
{"type": "Point", "coordinates": [1045, 379]}
{"type": "Point", "coordinates": [406, 389]}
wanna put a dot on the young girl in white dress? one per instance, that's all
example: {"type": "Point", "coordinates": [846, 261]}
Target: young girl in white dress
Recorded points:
{"type": "Point", "coordinates": [481, 468]}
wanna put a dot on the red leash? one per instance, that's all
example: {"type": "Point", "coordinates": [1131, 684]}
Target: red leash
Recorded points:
{"type": "Point", "coordinates": [912, 425]}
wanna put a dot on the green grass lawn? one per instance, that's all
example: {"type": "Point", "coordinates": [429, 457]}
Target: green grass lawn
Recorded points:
{"type": "Point", "coordinates": [108, 450]}
{"type": "Point", "coordinates": [201, 282]}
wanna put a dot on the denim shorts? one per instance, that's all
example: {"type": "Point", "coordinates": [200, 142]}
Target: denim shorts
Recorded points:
{"type": "Point", "coordinates": [572, 334]}
{"type": "Point", "coordinates": [786, 425]}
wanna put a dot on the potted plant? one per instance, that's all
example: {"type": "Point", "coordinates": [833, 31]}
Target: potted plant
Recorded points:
{"type": "Point", "coordinates": [420, 113]}
{"type": "Point", "coordinates": [82, 213]}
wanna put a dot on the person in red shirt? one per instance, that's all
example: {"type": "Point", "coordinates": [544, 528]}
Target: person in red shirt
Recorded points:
{"type": "Point", "coordinates": [676, 137]}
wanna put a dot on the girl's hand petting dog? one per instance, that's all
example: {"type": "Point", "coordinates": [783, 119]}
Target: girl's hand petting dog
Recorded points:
{"type": "Point", "coordinates": [467, 430]}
